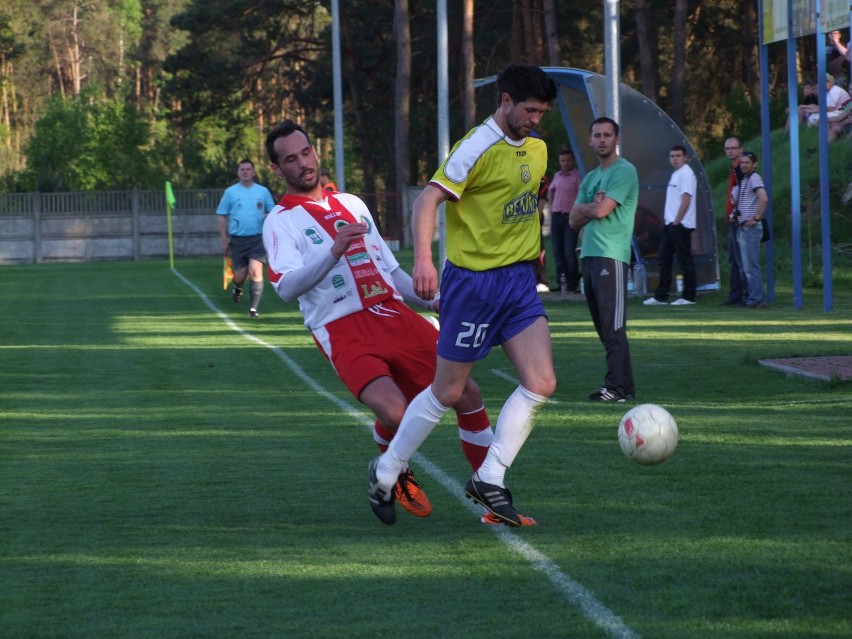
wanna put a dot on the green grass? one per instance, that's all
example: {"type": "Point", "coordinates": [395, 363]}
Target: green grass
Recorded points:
{"type": "Point", "coordinates": [161, 475]}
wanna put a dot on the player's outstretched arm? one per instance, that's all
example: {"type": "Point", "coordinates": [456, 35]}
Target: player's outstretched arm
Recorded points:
{"type": "Point", "coordinates": [423, 217]}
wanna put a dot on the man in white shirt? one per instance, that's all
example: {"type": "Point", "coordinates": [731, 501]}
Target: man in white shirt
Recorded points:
{"type": "Point", "coordinates": [676, 238]}
{"type": "Point", "coordinates": [835, 99]}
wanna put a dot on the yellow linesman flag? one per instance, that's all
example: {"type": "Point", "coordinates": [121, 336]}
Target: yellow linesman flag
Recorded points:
{"type": "Point", "coordinates": [227, 272]}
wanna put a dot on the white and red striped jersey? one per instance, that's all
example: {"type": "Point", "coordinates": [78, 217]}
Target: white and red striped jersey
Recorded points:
{"type": "Point", "coordinates": [294, 240]}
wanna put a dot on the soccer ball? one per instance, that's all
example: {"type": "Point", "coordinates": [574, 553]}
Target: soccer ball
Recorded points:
{"type": "Point", "coordinates": [647, 434]}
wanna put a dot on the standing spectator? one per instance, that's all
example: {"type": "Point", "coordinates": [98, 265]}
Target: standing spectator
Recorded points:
{"type": "Point", "coordinates": [837, 60]}
{"type": "Point", "coordinates": [563, 192]}
{"type": "Point", "coordinates": [606, 207]}
{"type": "Point", "coordinates": [752, 200]}
{"type": "Point", "coordinates": [325, 251]}
{"type": "Point", "coordinates": [488, 297]}
{"type": "Point", "coordinates": [539, 264]}
{"type": "Point", "coordinates": [678, 225]}
{"type": "Point", "coordinates": [737, 293]}
{"type": "Point", "coordinates": [241, 212]}
{"type": "Point", "coordinates": [325, 181]}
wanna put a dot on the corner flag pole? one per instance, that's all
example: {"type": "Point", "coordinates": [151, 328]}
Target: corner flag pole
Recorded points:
{"type": "Point", "coordinates": [170, 204]}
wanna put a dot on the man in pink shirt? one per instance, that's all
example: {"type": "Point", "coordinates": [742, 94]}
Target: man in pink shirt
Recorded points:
{"type": "Point", "coordinates": [563, 191]}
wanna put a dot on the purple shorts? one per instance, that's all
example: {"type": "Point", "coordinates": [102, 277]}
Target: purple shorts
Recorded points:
{"type": "Point", "coordinates": [480, 309]}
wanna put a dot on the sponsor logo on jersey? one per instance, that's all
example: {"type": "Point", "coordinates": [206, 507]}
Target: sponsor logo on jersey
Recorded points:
{"type": "Point", "coordinates": [314, 235]}
{"type": "Point", "coordinates": [521, 209]}
{"type": "Point", "coordinates": [338, 282]}
{"type": "Point", "coordinates": [364, 272]}
{"type": "Point", "coordinates": [526, 173]}
{"type": "Point", "coordinates": [373, 289]}
{"type": "Point", "coordinates": [338, 299]}
{"type": "Point", "coordinates": [356, 259]}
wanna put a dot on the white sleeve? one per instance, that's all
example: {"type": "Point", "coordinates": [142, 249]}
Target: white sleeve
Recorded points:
{"type": "Point", "coordinates": [405, 285]}
{"type": "Point", "coordinates": [301, 280]}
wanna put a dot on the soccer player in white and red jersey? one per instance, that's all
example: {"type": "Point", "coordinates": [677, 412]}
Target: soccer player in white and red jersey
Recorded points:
{"type": "Point", "coordinates": [490, 181]}
{"type": "Point", "coordinates": [324, 250]}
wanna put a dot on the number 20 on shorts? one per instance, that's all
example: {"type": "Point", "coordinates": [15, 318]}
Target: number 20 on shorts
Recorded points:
{"type": "Point", "coordinates": [474, 332]}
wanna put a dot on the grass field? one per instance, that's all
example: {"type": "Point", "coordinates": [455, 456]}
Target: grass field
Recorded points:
{"type": "Point", "coordinates": [169, 468]}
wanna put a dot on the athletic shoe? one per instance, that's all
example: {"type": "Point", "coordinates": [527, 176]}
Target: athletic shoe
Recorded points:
{"type": "Point", "coordinates": [753, 306]}
{"type": "Point", "coordinates": [410, 495]}
{"type": "Point", "coordinates": [253, 313]}
{"type": "Point", "coordinates": [382, 506]}
{"type": "Point", "coordinates": [682, 302]}
{"type": "Point", "coordinates": [491, 520]}
{"type": "Point", "coordinates": [237, 293]}
{"type": "Point", "coordinates": [497, 500]}
{"type": "Point", "coordinates": [653, 301]}
{"type": "Point", "coordinates": [542, 288]}
{"type": "Point", "coordinates": [603, 394]}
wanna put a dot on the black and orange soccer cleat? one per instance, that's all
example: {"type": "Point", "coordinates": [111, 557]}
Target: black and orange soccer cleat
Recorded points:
{"type": "Point", "coordinates": [496, 499]}
{"type": "Point", "coordinates": [491, 520]}
{"type": "Point", "coordinates": [410, 495]}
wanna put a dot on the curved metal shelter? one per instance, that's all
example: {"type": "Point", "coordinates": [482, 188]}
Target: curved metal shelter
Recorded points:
{"type": "Point", "coordinates": [647, 136]}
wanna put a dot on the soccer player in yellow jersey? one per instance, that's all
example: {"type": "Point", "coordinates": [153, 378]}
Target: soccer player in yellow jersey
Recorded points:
{"type": "Point", "coordinates": [490, 182]}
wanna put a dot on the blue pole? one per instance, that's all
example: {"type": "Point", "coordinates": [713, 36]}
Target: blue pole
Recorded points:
{"type": "Point", "coordinates": [825, 213]}
{"type": "Point", "coordinates": [765, 132]}
{"type": "Point", "coordinates": [795, 173]}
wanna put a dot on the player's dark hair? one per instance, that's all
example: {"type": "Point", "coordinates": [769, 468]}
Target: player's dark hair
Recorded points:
{"type": "Point", "coordinates": [567, 152]}
{"type": "Point", "coordinates": [525, 82]}
{"type": "Point", "coordinates": [246, 161]}
{"type": "Point", "coordinates": [681, 148]}
{"type": "Point", "coordinates": [605, 120]}
{"type": "Point", "coordinates": [285, 128]}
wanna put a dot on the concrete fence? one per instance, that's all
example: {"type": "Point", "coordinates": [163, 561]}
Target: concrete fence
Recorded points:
{"type": "Point", "coordinates": [106, 225]}
{"type": "Point", "coordinates": [129, 225]}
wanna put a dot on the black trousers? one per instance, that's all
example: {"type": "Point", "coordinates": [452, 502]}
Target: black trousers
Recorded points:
{"type": "Point", "coordinates": [676, 240]}
{"type": "Point", "coordinates": [605, 282]}
{"type": "Point", "coordinates": [564, 240]}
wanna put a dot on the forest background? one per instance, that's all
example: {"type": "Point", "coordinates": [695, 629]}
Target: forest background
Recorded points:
{"type": "Point", "coordinates": [121, 94]}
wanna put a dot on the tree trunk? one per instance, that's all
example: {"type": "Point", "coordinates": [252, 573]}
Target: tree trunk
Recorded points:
{"type": "Point", "coordinates": [402, 98]}
{"type": "Point", "coordinates": [364, 132]}
{"type": "Point", "coordinates": [468, 99]}
{"type": "Point", "coordinates": [678, 108]}
{"type": "Point", "coordinates": [646, 40]}
{"type": "Point", "coordinates": [529, 32]}
{"type": "Point", "coordinates": [554, 55]}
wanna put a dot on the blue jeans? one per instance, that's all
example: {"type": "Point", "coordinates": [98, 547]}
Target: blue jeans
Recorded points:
{"type": "Point", "coordinates": [748, 240]}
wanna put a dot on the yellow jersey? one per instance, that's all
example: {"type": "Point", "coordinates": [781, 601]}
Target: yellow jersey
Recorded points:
{"type": "Point", "coordinates": [492, 182]}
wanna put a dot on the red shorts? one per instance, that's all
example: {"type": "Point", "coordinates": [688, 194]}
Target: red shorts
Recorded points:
{"type": "Point", "coordinates": [389, 340]}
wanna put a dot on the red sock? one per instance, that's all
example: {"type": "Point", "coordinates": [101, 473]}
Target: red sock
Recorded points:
{"type": "Point", "coordinates": [475, 435]}
{"type": "Point", "coordinates": [382, 435]}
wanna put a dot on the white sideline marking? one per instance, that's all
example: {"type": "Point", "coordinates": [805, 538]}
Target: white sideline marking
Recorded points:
{"type": "Point", "coordinates": [574, 592]}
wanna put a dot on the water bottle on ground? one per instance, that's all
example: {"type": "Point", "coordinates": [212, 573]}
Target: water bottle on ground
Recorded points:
{"type": "Point", "coordinates": [640, 279]}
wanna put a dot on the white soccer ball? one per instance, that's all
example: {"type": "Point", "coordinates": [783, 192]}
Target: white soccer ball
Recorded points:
{"type": "Point", "coordinates": [433, 321]}
{"type": "Point", "coordinates": [647, 434]}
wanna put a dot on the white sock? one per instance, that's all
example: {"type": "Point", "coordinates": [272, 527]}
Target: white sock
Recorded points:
{"type": "Point", "coordinates": [514, 425]}
{"type": "Point", "coordinates": [421, 417]}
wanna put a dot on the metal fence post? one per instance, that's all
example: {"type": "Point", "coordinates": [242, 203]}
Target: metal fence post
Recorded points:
{"type": "Point", "coordinates": [37, 248]}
